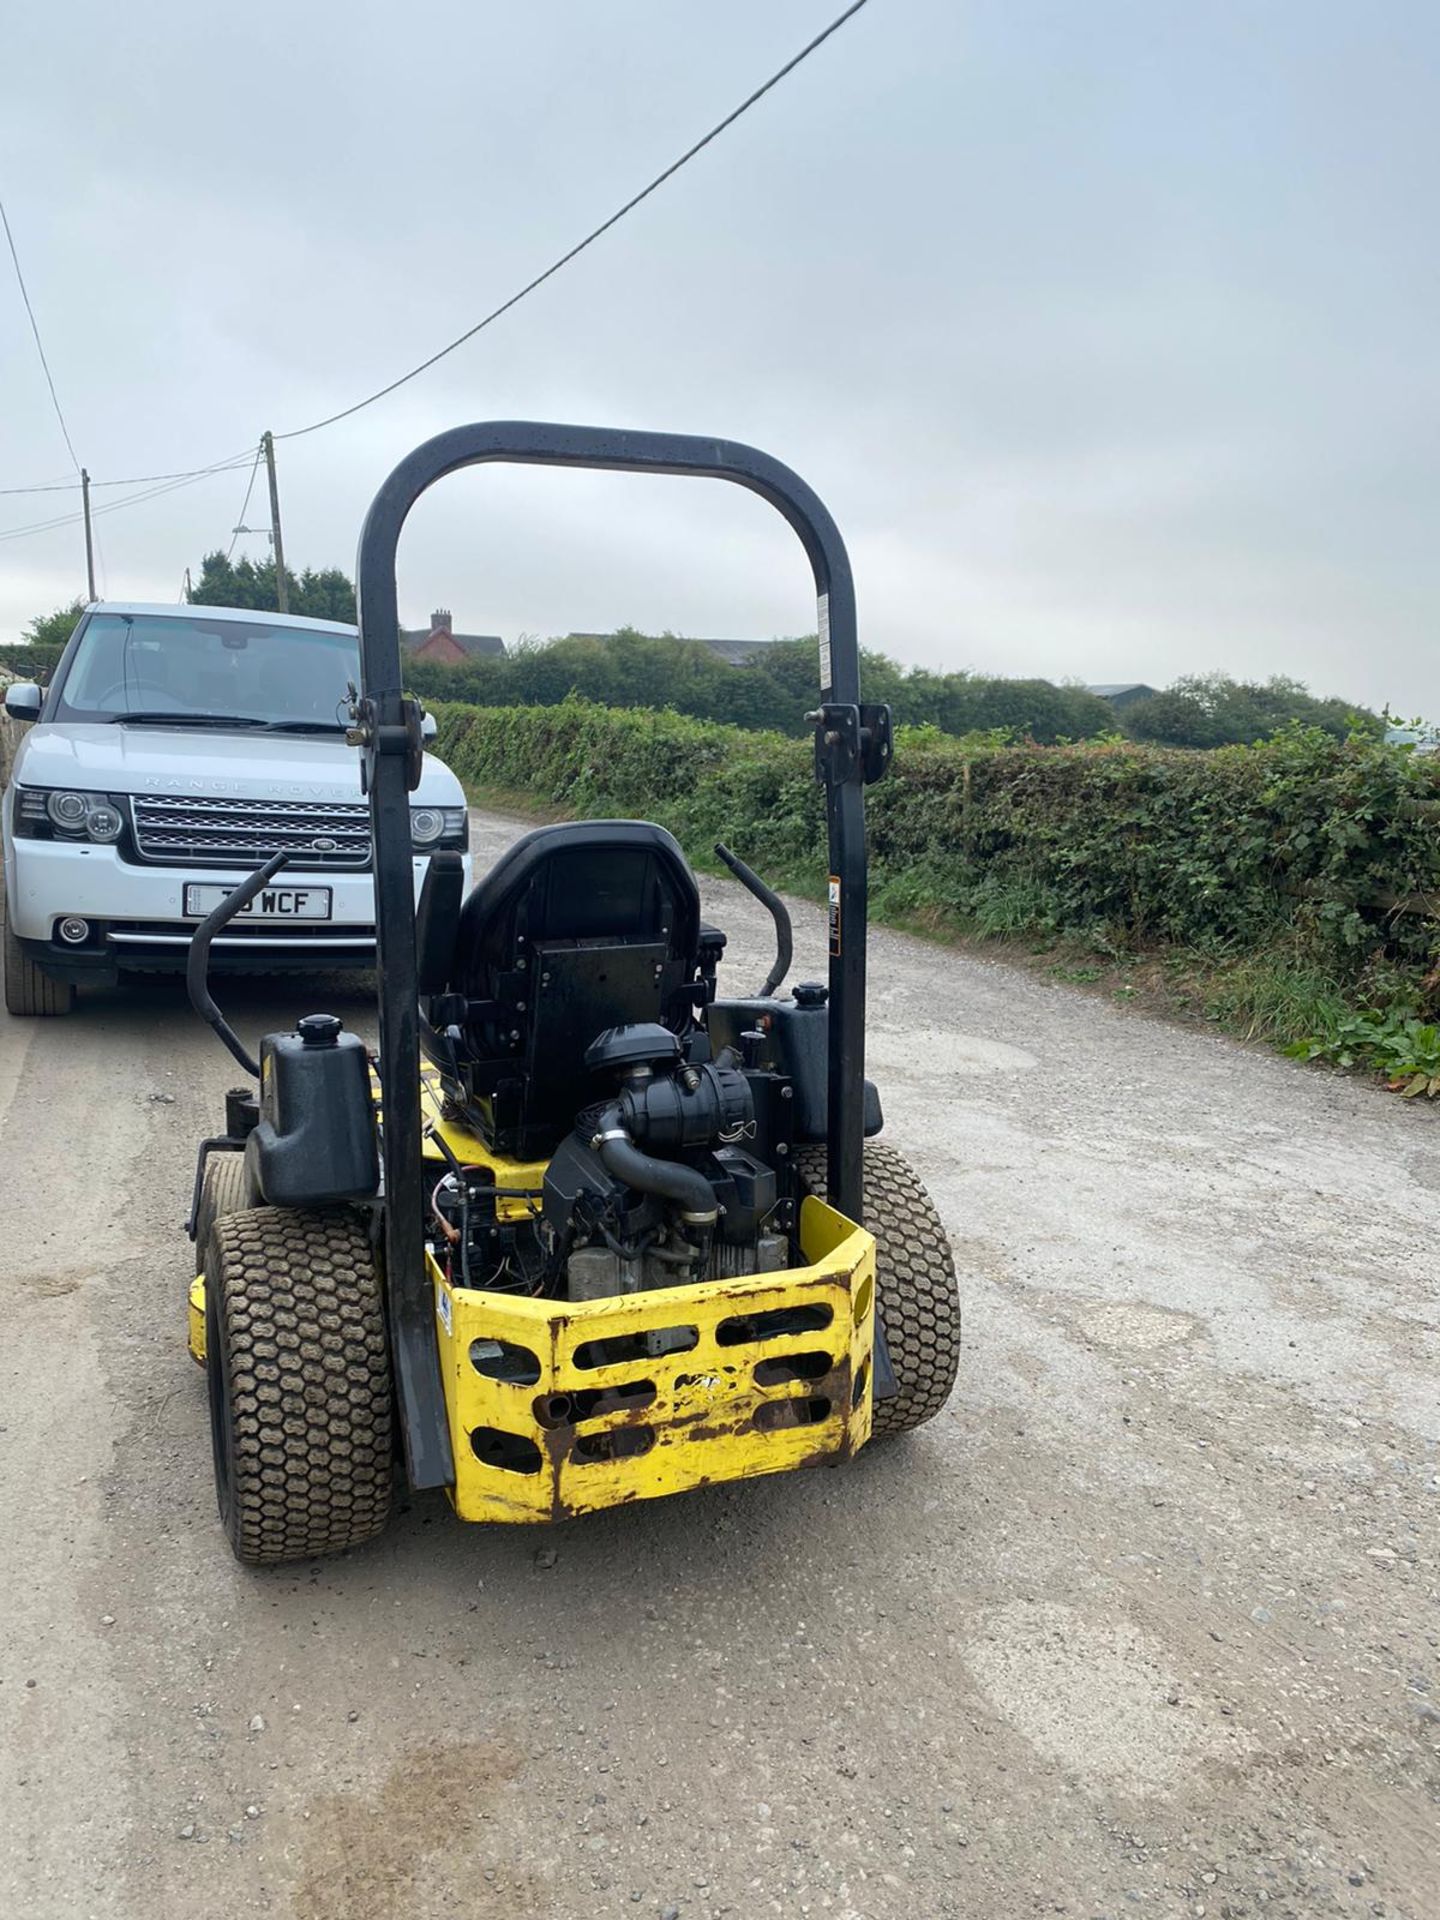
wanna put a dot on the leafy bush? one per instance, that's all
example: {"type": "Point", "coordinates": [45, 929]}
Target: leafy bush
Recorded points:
{"type": "Point", "coordinates": [324, 595]}
{"type": "Point", "coordinates": [51, 630]}
{"type": "Point", "coordinates": [1212, 710]}
{"type": "Point", "coordinates": [31, 662]}
{"type": "Point", "coordinates": [1404, 1049]}
{"type": "Point", "coordinates": [630, 669]}
{"type": "Point", "coordinates": [1316, 857]}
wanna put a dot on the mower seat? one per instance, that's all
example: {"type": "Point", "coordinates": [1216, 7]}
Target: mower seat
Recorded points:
{"type": "Point", "coordinates": [577, 927]}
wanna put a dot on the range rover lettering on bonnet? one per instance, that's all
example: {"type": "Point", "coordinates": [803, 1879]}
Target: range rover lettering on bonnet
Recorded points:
{"type": "Point", "coordinates": [243, 789]}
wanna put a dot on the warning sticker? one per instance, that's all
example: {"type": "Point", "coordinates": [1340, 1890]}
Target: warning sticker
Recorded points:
{"type": "Point", "coordinates": [822, 621]}
{"type": "Point", "coordinates": [834, 913]}
{"type": "Point", "coordinates": [443, 1307]}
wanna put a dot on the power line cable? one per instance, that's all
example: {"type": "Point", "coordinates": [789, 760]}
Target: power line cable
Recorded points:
{"type": "Point", "coordinates": [114, 506]}
{"type": "Point", "coordinates": [245, 503]}
{"type": "Point", "coordinates": [39, 343]}
{"type": "Point", "coordinates": [233, 462]}
{"type": "Point", "coordinates": [41, 526]}
{"type": "Point", "coordinates": [745, 105]}
{"type": "Point", "coordinates": [50, 486]}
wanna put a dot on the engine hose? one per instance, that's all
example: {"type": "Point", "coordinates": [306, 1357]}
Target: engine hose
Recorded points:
{"type": "Point", "coordinates": [686, 1186]}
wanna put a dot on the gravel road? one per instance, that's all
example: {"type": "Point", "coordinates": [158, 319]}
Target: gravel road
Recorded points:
{"type": "Point", "coordinates": [1144, 1623]}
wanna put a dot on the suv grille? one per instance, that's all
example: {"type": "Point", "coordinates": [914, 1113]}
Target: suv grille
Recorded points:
{"type": "Point", "coordinates": [204, 831]}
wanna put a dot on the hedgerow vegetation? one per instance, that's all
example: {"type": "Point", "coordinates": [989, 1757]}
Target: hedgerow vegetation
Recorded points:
{"type": "Point", "coordinates": [631, 669]}
{"type": "Point", "coordinates": [1300, 875]}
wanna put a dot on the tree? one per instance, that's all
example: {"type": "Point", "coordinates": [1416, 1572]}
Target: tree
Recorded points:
{"type": "Point", "coordinates": [52, 630]}
{"type": "Point", "coordinates": [1212, 710]}
{"type": "Point", "coordinates": [1172, 719]}
{"type": "Point", "coordinates": [326, 595]}
{"type": "Point", "coordinates": [633, 669]}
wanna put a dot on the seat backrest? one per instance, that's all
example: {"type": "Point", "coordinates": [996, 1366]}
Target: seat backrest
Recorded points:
{"type": "Point", "coordinates": [577, 928]}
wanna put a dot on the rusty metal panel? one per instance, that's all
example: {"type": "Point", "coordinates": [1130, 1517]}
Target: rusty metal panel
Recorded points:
{"type": "Point", "coordinates": [653, 1393]}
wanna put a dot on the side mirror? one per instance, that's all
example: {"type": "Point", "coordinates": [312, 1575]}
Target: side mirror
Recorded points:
{"type": "Point", "coordinates": [429, 727]}
{"type": "Point", "coordinates": [24, 700]}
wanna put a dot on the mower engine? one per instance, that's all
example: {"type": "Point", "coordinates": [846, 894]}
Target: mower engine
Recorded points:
{"type": "Point", "coordinates": [654, 1188]}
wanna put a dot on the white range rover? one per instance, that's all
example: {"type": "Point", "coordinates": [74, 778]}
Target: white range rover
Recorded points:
{"type": "Point", "coordinates": [175, 750]}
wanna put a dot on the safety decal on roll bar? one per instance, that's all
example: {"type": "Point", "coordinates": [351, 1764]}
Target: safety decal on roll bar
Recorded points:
{"type": "Point", "coordinates": [835, 913]}
{"type": "Point", "coordinates": [822, 622]}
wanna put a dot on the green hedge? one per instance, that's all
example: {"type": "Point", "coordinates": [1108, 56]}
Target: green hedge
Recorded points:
{"type": "Point", "coordinates": [33, 661]}
{"type": "Point", "coordinates": [1315, 853]}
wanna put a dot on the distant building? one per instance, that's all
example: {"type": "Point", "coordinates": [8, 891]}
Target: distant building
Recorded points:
{"type": "Point", "coordinates": [739, 653]}
{"type": "Point", "coordinates": [1123, 693]}
{"type": "Point", "coordinates": [443, 647]}
{"type": "Point", "coordinates": [735, 653]}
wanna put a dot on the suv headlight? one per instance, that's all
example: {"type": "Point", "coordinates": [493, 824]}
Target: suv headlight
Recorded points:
{"type": "Point", "coordinates": [65, 813]}
{"type": "Point", "coordinates": [432, 827]}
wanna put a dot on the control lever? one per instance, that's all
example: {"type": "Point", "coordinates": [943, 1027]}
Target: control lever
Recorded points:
{"type": "Point", "coordinates": [775, 907]}
{"type": "Point", "coordinates": [197, 965]}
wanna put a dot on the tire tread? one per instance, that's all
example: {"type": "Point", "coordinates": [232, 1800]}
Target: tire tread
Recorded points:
{"type": "Point", "coordinates": [29, 990]}
{"type": "Point", "coordinates": [915, 1284]}
{"type": "Point", "coordinates": [307, 1371]}
{"type": "Point", "coordinates": [224, 1190]}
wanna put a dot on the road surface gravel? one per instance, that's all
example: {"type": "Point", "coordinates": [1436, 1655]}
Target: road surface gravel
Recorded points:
{"type": "Point", "coordinates": [1144, 1623]}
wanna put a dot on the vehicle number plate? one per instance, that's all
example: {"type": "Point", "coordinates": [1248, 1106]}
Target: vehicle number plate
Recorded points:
{"type": "Point", "coordinates": [272, 903]}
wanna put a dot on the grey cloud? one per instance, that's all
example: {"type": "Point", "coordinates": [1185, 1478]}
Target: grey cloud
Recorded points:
{"type": "Point", "coordinates": [1108, 332]}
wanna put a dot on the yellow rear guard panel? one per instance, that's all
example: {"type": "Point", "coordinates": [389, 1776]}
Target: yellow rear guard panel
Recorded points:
{"type": "Point", "coordinates": [584, 1432]}
{"type": "Point", "coordinates": [578, 1436]}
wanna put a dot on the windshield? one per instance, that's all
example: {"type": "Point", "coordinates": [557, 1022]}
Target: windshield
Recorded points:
{"type": "Point", "coordinates": [184, 665]}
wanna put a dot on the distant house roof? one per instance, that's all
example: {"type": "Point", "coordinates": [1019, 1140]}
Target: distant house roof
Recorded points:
{"type": "Point", "coordinates": [440, 643]}
{"type": "Point", "coordinates": [735, 653]}
{"type": "Point", "coordinates": [1122, 690]}
{"type": "Point", "coordinates": [738, 653]}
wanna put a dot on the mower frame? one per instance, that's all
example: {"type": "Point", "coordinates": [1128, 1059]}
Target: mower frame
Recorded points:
{"type": "Point", "coordinates": [852, 747]}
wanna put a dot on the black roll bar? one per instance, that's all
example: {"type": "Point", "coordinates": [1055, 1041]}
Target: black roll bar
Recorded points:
{"type": "Point", "coordinates": [852, 745]}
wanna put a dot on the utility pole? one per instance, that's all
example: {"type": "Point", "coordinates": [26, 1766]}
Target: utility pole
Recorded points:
{"type": "Point", "coordinates": [282, 592]}
{"type": "Point", "coordinates": [89, 536]}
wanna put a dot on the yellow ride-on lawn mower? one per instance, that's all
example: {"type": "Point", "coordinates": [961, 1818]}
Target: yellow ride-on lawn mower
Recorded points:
{"type": "Point", "coordinates": [586, 1231]}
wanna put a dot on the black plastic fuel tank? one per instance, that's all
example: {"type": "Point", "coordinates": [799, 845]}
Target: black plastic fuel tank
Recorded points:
{"type": "Point", "coordinates": [315, 1142]}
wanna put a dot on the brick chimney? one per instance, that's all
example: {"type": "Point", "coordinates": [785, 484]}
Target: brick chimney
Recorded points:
{"type": "Point", "coordinates": [440, 620]}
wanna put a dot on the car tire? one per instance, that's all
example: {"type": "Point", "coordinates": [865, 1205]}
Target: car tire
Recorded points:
{"type": "Point", "coordinates": [30, 992]}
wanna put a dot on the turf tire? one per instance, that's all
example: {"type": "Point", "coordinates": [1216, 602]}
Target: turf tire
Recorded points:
{"type": "Point", "coordinates": [299, 1379]}
{"type": "Point", "coordinates": [915, 1284]}
{"type": "Point", "coordinates": [224, 1189]}
{"type": "Point", "coordinates": [29, 990]}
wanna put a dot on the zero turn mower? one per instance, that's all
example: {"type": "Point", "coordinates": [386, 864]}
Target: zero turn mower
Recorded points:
{"type": "Point", "coordinates": [615, 1235]}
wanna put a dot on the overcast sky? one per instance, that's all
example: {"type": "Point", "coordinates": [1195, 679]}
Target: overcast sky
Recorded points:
{"type": "Point", "coordinates": [1108, 331]}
